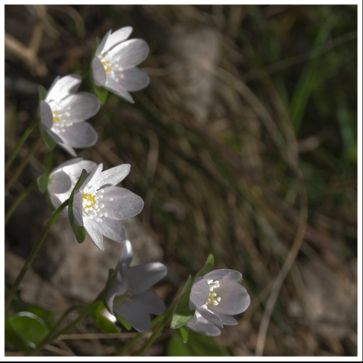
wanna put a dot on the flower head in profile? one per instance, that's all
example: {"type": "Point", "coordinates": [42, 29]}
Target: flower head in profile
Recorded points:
{"type": "Point", "coordinates": [115, 61]}
{"type": "Point", "coordinates": [216, 297]}
{"type": "Point", "coordinates": [63, 113]}
{"type": "Point", "coordinates": [128, 294]}
{"type": "Point", "coordinates": [100, 206]}
{"type": "Point", "coordinates": [63, 179]}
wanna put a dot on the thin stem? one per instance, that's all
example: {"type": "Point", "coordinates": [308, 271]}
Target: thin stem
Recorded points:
{"type": "Point", "coordinates": [18, 201]}
{"type": "Point", "coordinates": [18, 146]}
{"type": "Point", "coordinates": [22, 165]}
{"type": "Point", "coordinates": [30, 259]}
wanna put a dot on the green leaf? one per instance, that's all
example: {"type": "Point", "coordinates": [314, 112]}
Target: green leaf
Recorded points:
{"type": "Point", "coordinates": [42, 93]}
{"type": "Point", "coordinates": [102, 319]}
{"type": "Point", "coordinates": [182, 313]}
{"type": "Point", "coordinates": [208, 265]}
{"type": "Point", "coordinates": [42, 182]}
{"type": "Point", "coordinates": [79, 231]}
{"type": "Point", "coordinates": [197, 345]}
{"type": "Point", "coordinates": [47, 139]}
{"type": "Point", "coordinates": [25, 330]}
{"type": "Point", "coordinates": [101, 94]}
{"type": "Point", "coordinates": [184, 334]}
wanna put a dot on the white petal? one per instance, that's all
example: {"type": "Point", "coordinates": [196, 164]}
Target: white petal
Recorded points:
{"type": "Point", "coordinates": [112, 229]}
{"type": "Point", "coordinates": [59, 182]}
{"type": "Point", "coordinates": [112, 176]}
{"type": "Point", "coordinates": [142, 277]}
{"type": "Point", "coordinates": [46, 114]}
{"type": "Point", "coordinates": [61, 87]}
{"type": "Point", "coordinates": [101, 46]}
{"type": "Point", "coordinates": [120, 203]}
{"type": "Point", "coordinates": [203, 327]}
{"type": "Point", "coordinates": [133, 79]}
{"type": "Point", "coordinates": [117, 37]}
{"type": "Point", "coordinates": [99, 74]}
{"type": "Point", "coordinates": [78, 107]}
{"type": "Point", "coordinates": [211, 316]}
{"type": "Point", "coordinates": [129, 54]}
{"type": "Point", "coordinates": [134, 312]}
{"type": "Point", "coordinates": [126, 254]}
{"type": "Point", "coordinates": [79, 135]}
{"type": "Point", "coordinates": [199, 293]}
{"type": "Point", "coordinates": [92, 230]}
{"type": "Point", "coordinates": [234, 298]}
{"type": "Point", "coordinates": [116, 88]}
{"type": "Point", "coordinates": [223, 273]}
{"type": "Point", "coordinates": [87, 186]}
{"type": "Point", "coordinates": [152, 302]}
{"type": "Point", "coordinates": [228, 320]}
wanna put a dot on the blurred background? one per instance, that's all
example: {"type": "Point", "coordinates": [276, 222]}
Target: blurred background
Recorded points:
{"type": "Point", "coordinates": [243, 145]}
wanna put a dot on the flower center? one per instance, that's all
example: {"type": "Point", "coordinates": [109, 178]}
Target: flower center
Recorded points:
{"type": "Point", "coordinates": [56, 117]}
{"type": "Point", "coordinates": [106, 65]}
{"type": "Point", "coordinates": [213, 298]}
{"type": "Point", "coordinates": [89, 201]}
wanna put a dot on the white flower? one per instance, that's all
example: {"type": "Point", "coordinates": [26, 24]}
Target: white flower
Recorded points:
{"type": "Point", "coordinates": [115, 61]}
{"type": "Point", "coordinates": [216, 297]}
{"type": "Point", "coordinates": [63, 179]}
{"type": "Point", "coordinates": [99, 205]}
{"type": "Point", "coordinates": [128, 294]}
{"type": "Point", "coordinates": [64, 111]}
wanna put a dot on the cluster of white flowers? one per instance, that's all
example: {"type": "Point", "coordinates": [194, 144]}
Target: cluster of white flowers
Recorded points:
{"type": "Point", "coordinates": [100, 206]}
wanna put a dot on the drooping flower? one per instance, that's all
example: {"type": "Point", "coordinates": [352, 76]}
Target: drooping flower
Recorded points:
{"type": "Point", "coordinates": [216, 297]}
{"type": "Point", "coordinates": [128, 294]}
{"type": "Point", "coordinates": [100, 206]}
{"type": "Point", "coordinates": [115, 61]}
{"type": "Point", "coordinates": [63, 113]}
{"type": "Point", "coordinates": [63, 179]}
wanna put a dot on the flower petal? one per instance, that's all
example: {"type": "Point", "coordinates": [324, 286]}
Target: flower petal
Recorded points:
{"type": "Point", "coordinates": [134, 312]}
{"type": "Point", "coordinates": [92, 230]}
{"type": "Point", "coordinates": [116, 37]}
{"type": "Point", "coordinates": [112, 229]}
{"type": "Point", "coordinates": [59, 182]}
{"type": "Point", "coordinates": [210, 316]}
{"type": "Point", "coordinates": [116, 88]}
{"type": "Point", "coordinates": [78, 107]}
{"type": "Point", "coordinates": [228, 320]}
{"type": "Point", "coordinates": [79, 135]}
{"type": "Point", "coordinates": [152, 302]}
{"type": "Point", "coordinates": [116, 287]}
{"type": "Point", "coordinates": [61, 87]}
{"type": "Point", "coordinates": [99, 74]}
{"type": "Point", "coordinates": [142, 277]}
{"type": "Point", "coordinates": [223, 273]}
{"type": "Point", "coordinates": [199, 293]}
{"type": "Point", "coordinates": [204, 328]}
{"type": "Point", "coordinates": [129, 54]}
{"type": "Point", "coordinates": [101, 46]}
{"type": "Point", "coordinates": [46, 115]}
{"type": "Point", "coordinates": [120, 203]}
{"type": "Point", "coordinates": [112, 176]}
{"type": "Point", "coordinates": [133, 79]}
{"type": "Point", "coordinates": [234, 298]}
{"type": "Point", "coordinates": [87, 186]}
{"type": "Point", "coordinates": [67, 148]}
{"type": "Point", "coordinates": [78, 208]}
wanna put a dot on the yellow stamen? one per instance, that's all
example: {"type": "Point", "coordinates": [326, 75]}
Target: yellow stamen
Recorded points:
{"type": "Point", "coordinates": [89, 201]}
{"type": "Point", "coordinates": [56, 117]}
{"type": "Point", "coordinates": [106, 65]}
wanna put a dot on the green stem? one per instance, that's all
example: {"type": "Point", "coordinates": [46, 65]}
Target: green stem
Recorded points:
{"type": "Point", "coordinates": [18, 146]}
{"type": "Point", "coordinates": [18, 201]}
{"type": "Point", "coordinates": [22, 165]}
{"type": "Point", "coordinates": [30, 259]}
